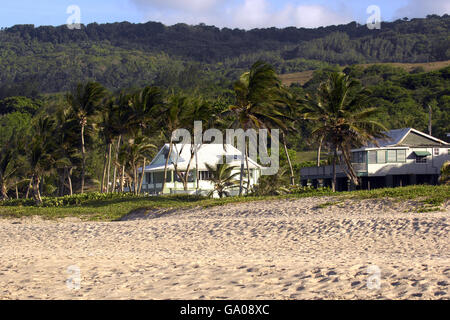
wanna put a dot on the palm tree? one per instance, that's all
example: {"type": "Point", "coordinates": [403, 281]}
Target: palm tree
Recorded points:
{"type": "Point", "coordinates": [196, 109]}
{"type": "Point", "coordinates": [109, 129]}
{"type": "Point", "coordinates": [137, 150]}
{"type": "Point", "coordinates": [123, 126]}
{"type": "Point", "coordinates": [255, 92]}
{"type": "Point", "coordinates": [343, 119]}
{"type": "Point", "coordinates": [170, 120]}
{"type": "Point", "coordinates": [8, 168]}
{"type": "Point", "coordinates": [85, 102]}
{"type": "Point", "coordinates": [223, 178]}
{"type": "Point", "coordinates": [67, 147]}
{"type": "Point", "coordinates": [42, 154]}
{"type": "Point", "coordinates": [285, 113]}
{"type": "Point", "coordinates": [145, 106]}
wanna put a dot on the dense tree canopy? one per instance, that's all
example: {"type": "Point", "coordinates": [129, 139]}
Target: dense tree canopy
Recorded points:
{"type": "Point", "coordinates": [119, 55]}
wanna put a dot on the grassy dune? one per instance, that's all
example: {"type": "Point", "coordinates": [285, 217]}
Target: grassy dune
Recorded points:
{"type": "Point", "coordinates": [430, 197]}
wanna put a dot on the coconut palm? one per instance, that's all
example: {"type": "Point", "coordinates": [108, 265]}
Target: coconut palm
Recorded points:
{"type": "Point", "coordinates": [42, 154]}
{"type": "Point", "coordinates": [196, 109]}
{"type": "Point", "coordinates": [110, 127]}
{"type": "Point", "coordinates": [256, 92]}
{"type": "Point", "coordinates": [145, 105]}
{"type": "Point", "coordinates": [137, 149]}
{"type": "Point", "coordinates": [171, 119]}
{"type": "Point", "coordinates": [8, 166]}
{"type": "Point", "coordinates": [85, 102]}
{"type": "Point", "coordinates": [67, 147]}
{"type": "Point", "coordinates": [343, 118]}
{"type": "Point", "coordinates": [223, 178]}
{"type": "Point", "coordinates": [286, 112]}
{"type": "Point", "coordinates": [122, 127]}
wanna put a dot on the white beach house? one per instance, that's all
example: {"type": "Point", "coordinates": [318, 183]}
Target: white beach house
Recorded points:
{"type": "Point", "coordinates": [406, 157]}
{"type": "Point", "coordinates": [210, 154]}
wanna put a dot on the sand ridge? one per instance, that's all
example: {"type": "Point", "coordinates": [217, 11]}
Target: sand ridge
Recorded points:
{"type": "Point", "coordinates": [283, 249]}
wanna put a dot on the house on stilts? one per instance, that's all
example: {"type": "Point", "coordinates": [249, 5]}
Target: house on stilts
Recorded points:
{"type": "Point", "coordinates": [404, 157]}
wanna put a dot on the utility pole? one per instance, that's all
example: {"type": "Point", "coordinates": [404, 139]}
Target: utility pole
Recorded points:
{"type": "Point", "coordinates": [430, 129]}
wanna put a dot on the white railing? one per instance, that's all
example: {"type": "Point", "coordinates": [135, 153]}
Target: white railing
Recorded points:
{"type": "Point", "coordinates": [328, 170]}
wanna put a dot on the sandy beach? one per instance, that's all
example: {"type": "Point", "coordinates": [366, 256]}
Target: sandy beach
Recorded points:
{"type": "Point", "coordinates": [284, 249]}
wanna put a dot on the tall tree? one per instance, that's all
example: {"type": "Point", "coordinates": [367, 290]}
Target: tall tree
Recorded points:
{"type": "Point", "coordinates": [344, 120]}
{"type": "Point", "coordinates": [85, 102]}
{"type": "Point", "coordinates": [42, 154]}
{"type": "Point", "coordinates": [255, 92]}
{"type": "Point", "coordinates": [66, 138]}
{"type": "Point", "coordinates": [8, 165]}
{"type": "Point", "coordinates": [170, 120]}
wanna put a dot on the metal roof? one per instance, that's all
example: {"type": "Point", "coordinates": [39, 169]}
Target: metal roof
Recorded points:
{"type": "Point", "coordinates": [209, 154]}
{"type": "Point", "coordinates": [395, 137]}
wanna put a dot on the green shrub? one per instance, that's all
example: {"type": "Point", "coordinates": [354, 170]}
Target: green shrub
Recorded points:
{"type": "Point", "coordinates": [66, 201]}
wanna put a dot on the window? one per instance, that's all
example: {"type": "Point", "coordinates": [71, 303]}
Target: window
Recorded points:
{"type": "Point", "coordinates": [392, 156]}
{"type": "Point", "coordinates": [191, 176]}
{"type": "Point", "coordinates": [158, 177]}
{"type": "Point", "coordinates": [401, 155]}
{"type": "Point", "coordinates": [421, 159]}
{"type": "Point", "coordinates": [372, 157]}
{"type": "Point", "coordinates": [205, 175]}
{"type": "Point", "coordinates": [359, 157]}
{"type": "Point", "coordinates": [381, 156]}
{"type": "Point", "coordinates": [436, 151]}
{"type": "Point", "coordinates": [148, 177]}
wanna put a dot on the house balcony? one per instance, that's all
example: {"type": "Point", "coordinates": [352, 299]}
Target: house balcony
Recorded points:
{"type": "Point", "coordinates": [325, 172]}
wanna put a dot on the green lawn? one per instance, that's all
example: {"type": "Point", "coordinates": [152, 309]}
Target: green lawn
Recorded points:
{"type": "Point", "coordinates": [307, 156]}
{"type": "Point", "coordinates": [431, 198]}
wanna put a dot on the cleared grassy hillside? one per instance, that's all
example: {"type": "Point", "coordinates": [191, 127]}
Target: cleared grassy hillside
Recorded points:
{"type": "Point", "coordinates": [304, 76]}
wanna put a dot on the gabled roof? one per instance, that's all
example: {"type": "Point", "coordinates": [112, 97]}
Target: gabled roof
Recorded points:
{"type": "Point", "coordinates": [396, 137]}
{"type": "Point", "coordinates": [207, 154]}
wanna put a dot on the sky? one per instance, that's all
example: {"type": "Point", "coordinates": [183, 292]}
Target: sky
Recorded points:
{"type": "Point", "coordinates": [245, 14]}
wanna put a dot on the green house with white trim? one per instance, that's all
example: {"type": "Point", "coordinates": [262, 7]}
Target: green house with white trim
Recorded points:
{"type": "Point", "coordinates": [405, 157]}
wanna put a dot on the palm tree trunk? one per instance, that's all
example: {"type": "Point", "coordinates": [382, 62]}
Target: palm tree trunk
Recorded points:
{"type": "Point", "coordinates": [241, 177]}
{"type": "Point", "coordinates": [17, 192]}
{"type": "Point", "coordinates": [142, 177]}
{"type": "Point", "coordinates": [69, 178]}
{"type": "Point", "coordinates": [334, 170]}
{"type": "Point", "coordinates": [122, 178]}
{"type": "Point", "coordinates": [4, 193]}
{"type": "Point", "coordinates": [115, 163]}
{"type": "Point", "coordinates": [166, 165]}
{"type": "Point", "coordinates": [248, 171]}
{"type": "Point", "coordinates": [134, 178]}
{"type": "Point", "coordinates": [319, 150]}
{"type": "Point", "coordinates": [105, 161]}
{"type": "Point", "coordinates": [109, 167]}
{"type": "Point", "coordinates": [197, 178]}
{"type": "Point", "coordinates": [29, 188]}
{"type": "Point", "coordinates": [41, 185]}
{"type": "Point", "coordinates": [83, 153]}
{"type": "Point", "coordinates": [36, 192]}
{"type": "Point", "coordinates": [186, 175]}
{"type": "Point", "coordinates": [289, 160]}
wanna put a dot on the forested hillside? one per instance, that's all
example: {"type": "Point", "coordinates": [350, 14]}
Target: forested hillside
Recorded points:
{"type": "Point", "coordinates": [120, 55]}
